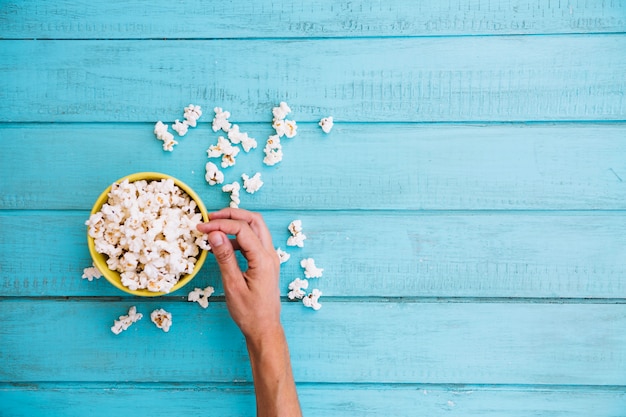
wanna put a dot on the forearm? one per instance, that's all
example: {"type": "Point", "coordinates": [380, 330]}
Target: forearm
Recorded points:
{"type": "Point", "coordinates": [274, 385]}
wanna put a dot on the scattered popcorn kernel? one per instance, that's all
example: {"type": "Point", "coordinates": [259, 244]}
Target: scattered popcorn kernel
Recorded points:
{"type": "Point", "coordinates": [297, 238]}
{"type": "Point", "coordinates": [291, 129]}
{"type": "Point", "coordinates": [233, 189]}
{"type": "Point", "coordinates": [180, 127]}
{"type": "Point", "coordinates": [252, 184]}
{"type": "Point", "coordinates": [192, 114]}
{"type": "Point", "coordinates": [296, 289]}
{"type": "Point", "coordinates": [310, 270]}
{"type": "Point", "coordinates": [273, 151]}
{"type": "Point", "coordinates": [326, 124]}
{"type": "Point", "coordinates": [160, 130]}
{"type": "Point", "coordinates": [201, 296]}
{"type": "Point", "coordinates": [162, 319]}
{"type": "Point", "coordinates": [282, 255]}
{"type": "Point", "coordinates": [124, 322]}
{"type": "Point", "coordinates": [220, 121]}
{"type": "Point", "coordinates": [91, 273]}
{"type": "Point", "coordinates": [312, 300]}
{"type": "Point", "coordinates": [225, 149]}
{"type": "Point", "coordinates": [237, 137]}
{"type": "Point", "coordinates": [213, 174]}
{"type": "Point", "coordinates": [281, 111]}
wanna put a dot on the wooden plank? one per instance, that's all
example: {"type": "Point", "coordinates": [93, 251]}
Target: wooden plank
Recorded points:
{"type": "Point", "coordinates": [355, 342]}
{"type": "Point", "coordinates": [536, 255]}
{"type": "Point", "coordinates": [317, 400]}
{"type": "Point", "coordinates": [391, 166]}
{"type": "Point", "coordinates": [80, 19]}
{"type": "Point", "coordinates": [489, 78]}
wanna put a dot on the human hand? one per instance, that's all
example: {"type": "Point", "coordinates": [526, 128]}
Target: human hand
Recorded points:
{"type": "Point", "coordinates": [252, 296]}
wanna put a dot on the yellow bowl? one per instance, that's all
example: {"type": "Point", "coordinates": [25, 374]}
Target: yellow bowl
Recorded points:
{"type": "Point", "coordinates": [100, 260]}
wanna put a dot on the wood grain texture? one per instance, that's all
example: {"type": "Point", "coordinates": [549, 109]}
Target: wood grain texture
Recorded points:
{"type": "Point", "coordinates": [518, 255]}
{"type": "Point", "coordinates": [324, 18]}
{"type": "Point", "coordinates": [153, 400]}
{"type": "Point", "coordinates": [569, 166]}
{"type": "Point", "coordinates": [395, 79]}
{"type": "Point", "coordinates": [580, 344]}
{"type": "Point", "coordinates": [467, 207]}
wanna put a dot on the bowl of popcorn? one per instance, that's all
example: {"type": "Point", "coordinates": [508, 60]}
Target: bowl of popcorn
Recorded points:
{"type": "Point", "coordinates": [142, 234]}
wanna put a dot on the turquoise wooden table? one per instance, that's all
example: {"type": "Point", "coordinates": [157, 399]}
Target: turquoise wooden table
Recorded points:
{"type": "Point", "coordinates": [467, 207]}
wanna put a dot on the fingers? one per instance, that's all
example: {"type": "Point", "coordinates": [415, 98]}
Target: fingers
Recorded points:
{"type": "Point", "coordinates": [246, 239]}
{"type": "Point", "coordinates": [226, 260]}
{"type": "Point", "coordinates": [254, 220]}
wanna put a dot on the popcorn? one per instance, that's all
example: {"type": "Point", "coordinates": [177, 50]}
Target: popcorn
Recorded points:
{"type": "Point", "coordinates": [162, 319]}
{"type": "Point", "coordinates": [213, 174]}
{"type": "Point", "coordinates": [124, 322]}
{"type": "Point", "coordinates": [282, 126]}
{"type": "Point", "coordinates": [326, 124]}
{"type": "Point", "coordinates": [180, 128]}
{"type": "Point", "coordinates": [297, 237]}
{"type": "Point", "coordinates": [220, 121]}
{"type": "Point", "coordinates": [281, 111]}
{"type": "Point", "coordinates": [273, 151]}
{"type": "Point", "coordinates": [203, 242]}
{"type": "Point", "coordinates": [253, 184]}
{"type": "Point", "coordinates": [225, 149]}
{"type": "Point", "coordinates": [147, 229]}
{"type": "Point", "coordinates": [192, 114]}
{"type": "Point", "coordinates": [282, 255]}
{"type": "Point", "coordinates": [237, 137]}
{"type": "Point", "coordinates": [310, 270]}
{"type": "Point", "coordinates": [233, 189]}
{"type": "Point", "coordinates": [311, 300]}
{"type": "Point", "coordinates": [160, 130]}
{"type": "Point", "coordinates": [91, 273]}
{"type": "Point", "coordinates": [201, 296]}
{"type": "Point", "coordinates": [297, 287]}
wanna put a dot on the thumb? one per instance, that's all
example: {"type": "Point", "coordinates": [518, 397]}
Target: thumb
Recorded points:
{"type": "Point", "coordinates": [224, 255]}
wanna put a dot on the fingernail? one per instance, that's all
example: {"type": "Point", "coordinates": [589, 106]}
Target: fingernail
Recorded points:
{"type": "Point", "coordinates": [215, 239]}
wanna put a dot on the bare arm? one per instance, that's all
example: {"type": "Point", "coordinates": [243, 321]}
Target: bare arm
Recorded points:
{"type": "Point", "coordinates": [253, 300]}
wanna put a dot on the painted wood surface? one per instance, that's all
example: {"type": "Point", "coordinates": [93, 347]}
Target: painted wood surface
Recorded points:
{"type": "Point", "coordinates": [468, 206]}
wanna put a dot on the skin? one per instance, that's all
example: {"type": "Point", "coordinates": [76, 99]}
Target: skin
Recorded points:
{"type": "Point", "coordinates": [253, 300]}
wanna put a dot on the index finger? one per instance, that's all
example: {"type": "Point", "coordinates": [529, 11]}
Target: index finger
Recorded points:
{"type": "Point", "coordinates": [247, 240]}
{"type": "Point", "coordinates": [254, 220]}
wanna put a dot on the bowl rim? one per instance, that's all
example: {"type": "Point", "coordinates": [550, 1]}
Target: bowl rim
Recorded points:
{"type": "Point", "coordinates": [99, 259]}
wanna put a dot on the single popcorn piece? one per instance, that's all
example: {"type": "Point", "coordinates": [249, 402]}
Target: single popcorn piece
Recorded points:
{"type": "Point", "coordinates": [147, 230]}
{"type": "Point", "coordinates": [252, 184]}
{"type": "Point", "coordinates": [203, 242]}
{"type": "Point", "coordinates": [233, 189]}
{"type": "Point", "coordinates": [91, 273]}
{"type": "Point", "coordinates": [162, 319]}
{"type": "Point", "coordinates": [282, 255]}
{"type": "Point", "coordinates": [124, 322]}
{"type": "Point", "coordinates": [225, 149]}
{"type": "Point", "coordinates": [192, 114]}
{"type": "Point", "coordinates": [273, 151]}
{"type": "Point", "coordinates": [213, 174]}
{"type": "Point", "coordinates": [281, 111]}
{"type": "Point", "coordinates": [180, 127]}
{"type": "Point", "coordinates": [296, 289]}
{"type": "Point", "coordinates": [237, 137]}
{"type": "Point", "coordinates": [326, 124]}
{"type": "Point", "coordinates": [291, 129]}
{"type": "Point", "coordinates": [297, 238]}
{"type": "Point", "coordinates": [220, 121]}
{"type": "Point", "coordinates": [310, 270]}
{"type": "Point", "coordinates": [312, 300]}
{"type": "Point", "coordinates": [160, 130]}
{"type": "Point", "coordinates": [201, 296]}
